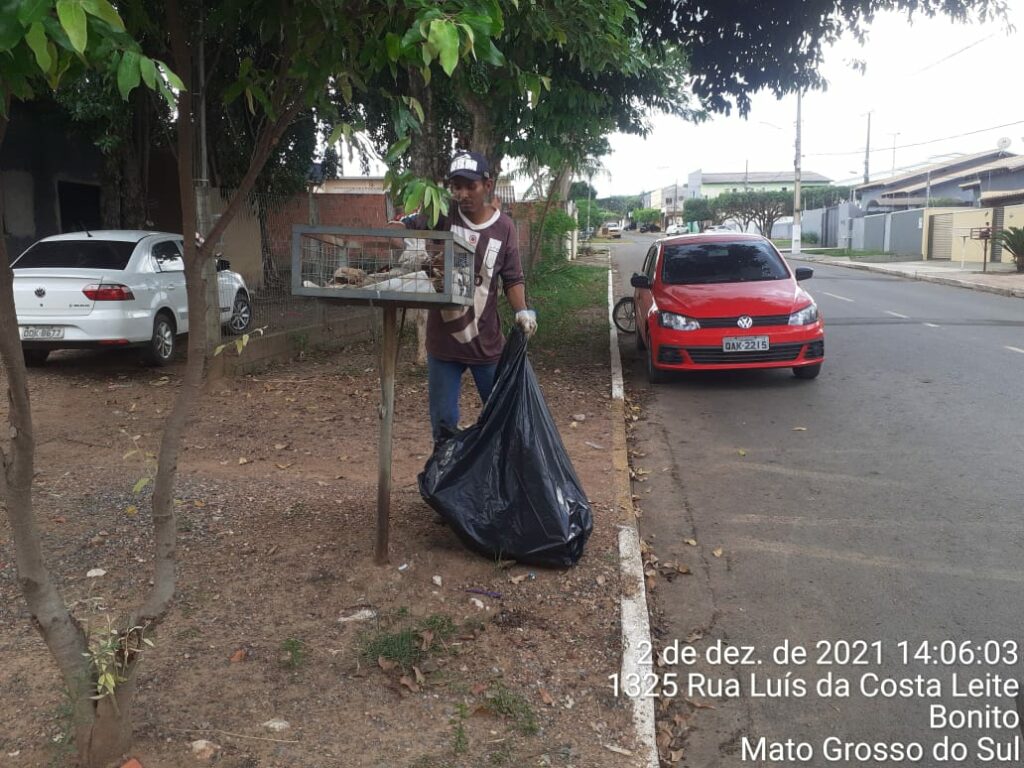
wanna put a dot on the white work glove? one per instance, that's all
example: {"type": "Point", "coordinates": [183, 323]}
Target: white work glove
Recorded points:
{"type": "Point", "coordinates": [526, 319]}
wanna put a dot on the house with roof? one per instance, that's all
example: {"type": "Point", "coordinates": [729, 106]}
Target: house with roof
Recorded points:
{"type": "Point", "coordinates": [708, 185]}
{"type": "Point", "coordinates": [967, 180]}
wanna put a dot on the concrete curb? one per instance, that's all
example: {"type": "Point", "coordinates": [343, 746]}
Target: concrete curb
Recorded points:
{"type": "Point", "coordinates": [636, 628]}
{"type": "Point", "coordinates": [926, 277]}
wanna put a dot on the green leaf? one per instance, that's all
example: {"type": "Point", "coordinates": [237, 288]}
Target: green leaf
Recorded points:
{"type": "Point", "coordinates": [416, 107]}
{"type": "Point", "coordinates": [172, 78]}
{"type": "Point", "coordinates": [141, 483]}
{"type": "Point", "coordinates": [233, 91]}
{"type": "Point", "coordinates": [101, 9]}
{"type": "Point", "coordinates": [148, 71]}
{"type": "Point", "coordinates": [36, 39]}
{"type": "Point", "coordinates": [414, 196]}
{"type": "Point", "coordinates": [426, 75]}
{"type": "Point", "coordinates": [128, 74]}
{"type": "Point", "coordinates": [336, 134]}
{"type": "Point", "coordinates": [11, 32]}
{"type": "Point", "coordinates": [72, 19]}
{"type": "Point", "coordinates": [346, 89]}
{"type": "Point", "coordinates": [444, 37]}
{"type": "Point", "coordinates": [393, 43]}
{"type": "Point", "coordinates": [32, 11]}
{"type": "Point", "coordinates": [397, 149]}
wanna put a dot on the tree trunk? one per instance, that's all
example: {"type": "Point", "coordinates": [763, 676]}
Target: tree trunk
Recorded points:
{"type": "Point", "coordinates": [484, 139]}
{"type": "Point", "coordinates": [537, 242]}
{"type": "Point", "coordinates": [428, 156]}
{"type": "Point", "coordinates": [108, 737]}
{"type": "Point", "coordinates": [63, 635]}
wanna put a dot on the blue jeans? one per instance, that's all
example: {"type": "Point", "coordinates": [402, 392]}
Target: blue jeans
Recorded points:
{"type": "Point", "coordinates": [444, 383]}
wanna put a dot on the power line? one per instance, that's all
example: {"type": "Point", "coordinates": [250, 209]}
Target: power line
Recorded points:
{"type": "Point", "coordinates": [918, 143]}
{"type": "Point", "coordinates": [926, 68]}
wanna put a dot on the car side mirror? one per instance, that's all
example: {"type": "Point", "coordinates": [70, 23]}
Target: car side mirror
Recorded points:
{"type": "Point", "coordinates": [802, 273]}
{"type": "Point", "coordinates": [223, 265]}
{"type": "Point", "coordinates": [640, 281]}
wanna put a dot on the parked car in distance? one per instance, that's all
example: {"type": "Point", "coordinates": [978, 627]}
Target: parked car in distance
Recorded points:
{"type": "Point", "coordinates": [613, 229]}
{"type": "Point", "coordinates": [113, 288]}
{"type": "Point", "coordinates": [676, 229]}
{"type": "Point", "coordinates": [650, 228]}
{"type": "Point", "coordinates": [718, 301]}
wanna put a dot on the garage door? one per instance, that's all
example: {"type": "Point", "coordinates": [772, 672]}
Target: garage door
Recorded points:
{"type": "Point", "coordinates": [940, 237]}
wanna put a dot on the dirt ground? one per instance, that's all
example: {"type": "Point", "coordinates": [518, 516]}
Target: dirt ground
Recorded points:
{"type": "Point", "coordinates": [277, 501]}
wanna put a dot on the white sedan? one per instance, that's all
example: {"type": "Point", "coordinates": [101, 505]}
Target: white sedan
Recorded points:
{"type": "Point", "coordinates": [113, 288]}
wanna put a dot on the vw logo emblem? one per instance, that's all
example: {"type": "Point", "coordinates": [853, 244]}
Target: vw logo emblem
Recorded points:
{"type": "Point", "coordinates": [745, 321]}
{"type": "Point", "coordinates": [40, 292]}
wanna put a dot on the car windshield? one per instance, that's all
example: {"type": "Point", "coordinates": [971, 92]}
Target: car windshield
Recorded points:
{"type": "Point", "coordinates": [721, 262]}
{"type": "Point", "coordinates": [76, 254]}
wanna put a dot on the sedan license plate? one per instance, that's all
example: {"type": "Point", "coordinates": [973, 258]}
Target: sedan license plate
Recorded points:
{"type": "Point", "coordinates": [745, 344]}
{"type": "Point", "coordinates": [45, 332]}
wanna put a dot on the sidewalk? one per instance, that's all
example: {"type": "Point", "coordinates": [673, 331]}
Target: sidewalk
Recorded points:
{"type": "Point", "coordinates": [999, 278]}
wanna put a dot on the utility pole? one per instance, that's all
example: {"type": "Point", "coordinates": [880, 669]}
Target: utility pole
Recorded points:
{"type": "Point", "coordinates": [867, 152]}
{"type": "Point", "coordinates": [589, 177]}
{"type": "Point", "coordinates": [795, 248]}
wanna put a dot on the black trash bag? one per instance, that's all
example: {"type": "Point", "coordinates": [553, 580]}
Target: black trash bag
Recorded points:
{"type": "Point", "coordinates": [506, 485]}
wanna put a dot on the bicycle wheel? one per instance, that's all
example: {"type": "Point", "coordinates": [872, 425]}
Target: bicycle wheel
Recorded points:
{"type": "Point", "coordinates": [624, 315]}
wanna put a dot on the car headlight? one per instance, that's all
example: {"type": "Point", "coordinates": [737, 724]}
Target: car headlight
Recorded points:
{"type": "Point", "coordinates": [677, 322]}
{"type": "Point", "coordinates": [805, 316]}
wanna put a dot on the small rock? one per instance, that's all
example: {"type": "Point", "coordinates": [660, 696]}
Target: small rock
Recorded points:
{"type": "Point", "coordinates": [133, 763]}
{"type": "Point", "coordinates": [277, 725]}
{"type": "Point", "coordinates": [361, 615]}
{"type": "Point", "coordinates": [436, 580]}
{"type": "Point", "coordinates": [95, 573]}
{"type": "Point", "coordinates": [204, 750]}
{"type": "Point", "coordinates": [579, 417]}
{"type": "Point", "coordinates": [477, 602]}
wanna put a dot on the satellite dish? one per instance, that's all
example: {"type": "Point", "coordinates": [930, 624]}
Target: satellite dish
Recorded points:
{"type": "Point", "coordinates": [1003, 143]}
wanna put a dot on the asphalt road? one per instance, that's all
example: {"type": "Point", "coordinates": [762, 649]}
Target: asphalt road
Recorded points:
{"type": "Point", "coordinates": [882, 502]}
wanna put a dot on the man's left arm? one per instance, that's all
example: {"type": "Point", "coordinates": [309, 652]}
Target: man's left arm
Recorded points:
{"type": "Point", "coordinates": [516, 295]}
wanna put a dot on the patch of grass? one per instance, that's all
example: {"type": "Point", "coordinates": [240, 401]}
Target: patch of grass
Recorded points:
{"type": "Point", "coordinates": [571, 303]}
{"type": "Point", "coordinates": [293, 652]}
{"type": "Point", "coordinates": [402, 647]}
{"type": "Point", "coordinates": [514, 707]}
{"type": "Point", "coordinates": [405, 645]}
{"type": "Point", "coordinates": [441, 625]}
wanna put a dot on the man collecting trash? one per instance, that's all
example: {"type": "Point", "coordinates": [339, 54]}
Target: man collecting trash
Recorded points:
{"type": "Point", "coordinates": [470, 337]}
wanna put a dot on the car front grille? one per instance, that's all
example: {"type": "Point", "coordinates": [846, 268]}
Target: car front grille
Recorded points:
{"type": "Point", "coordinates": [715, 355]}
{"type": "Point", "coordinates": [730, 322]}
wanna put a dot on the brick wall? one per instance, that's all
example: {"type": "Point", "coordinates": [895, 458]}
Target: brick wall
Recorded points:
{"type": "Point", "coordinates": [328, 209]}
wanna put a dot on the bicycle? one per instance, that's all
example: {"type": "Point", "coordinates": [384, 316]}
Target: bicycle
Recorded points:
{"type": "Point", "coordinates": [624, 315]}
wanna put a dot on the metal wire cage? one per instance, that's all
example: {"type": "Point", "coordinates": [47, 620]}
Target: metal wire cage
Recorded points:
{"type": "Point", "coordinates": [354, 265]}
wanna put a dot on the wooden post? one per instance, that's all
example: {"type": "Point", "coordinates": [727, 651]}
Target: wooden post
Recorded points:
{"type": "Point", "coordinates": [389, 347]}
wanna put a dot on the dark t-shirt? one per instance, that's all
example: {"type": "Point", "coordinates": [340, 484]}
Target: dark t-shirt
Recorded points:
{"type": "Point", "coordinates": [472, 334]}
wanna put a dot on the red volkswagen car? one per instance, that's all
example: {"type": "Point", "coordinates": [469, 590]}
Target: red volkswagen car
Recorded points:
{"type": "Point", "coordinates": [720, 301]}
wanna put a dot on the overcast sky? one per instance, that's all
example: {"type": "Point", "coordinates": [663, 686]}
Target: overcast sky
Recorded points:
{"type": "Point", "coordinates": [942, 88]}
